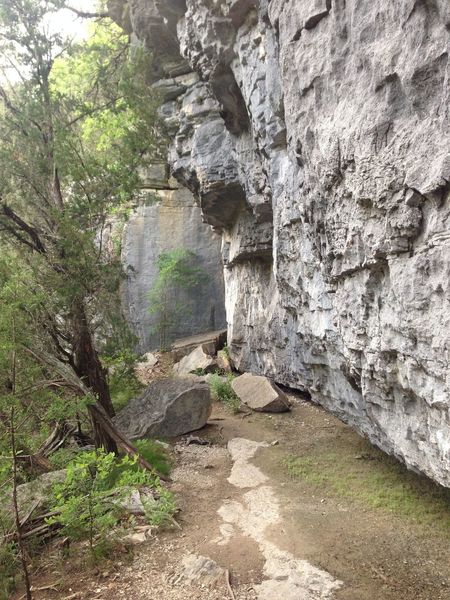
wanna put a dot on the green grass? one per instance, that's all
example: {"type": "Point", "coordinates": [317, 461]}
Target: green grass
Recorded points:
{"type": "Point", "coordinates": [155, 454]}
{"type": "Point", "coordinates": [377, 481]}
{"type": "Point", "coordinates": [222, 391]}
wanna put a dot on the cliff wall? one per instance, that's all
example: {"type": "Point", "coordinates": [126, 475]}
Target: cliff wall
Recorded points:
{"type": "Point", "coordinates": [170, 221]}
{"type": "Point", "coordinates": [316, 136]}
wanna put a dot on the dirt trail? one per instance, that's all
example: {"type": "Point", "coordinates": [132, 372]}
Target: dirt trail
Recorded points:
{"type": "Point", "coordinates": [280, 537]}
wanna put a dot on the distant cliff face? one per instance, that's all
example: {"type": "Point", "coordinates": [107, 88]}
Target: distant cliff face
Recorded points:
{"type": "Point", "coordinates": [316, 136]}
{"type": "Point", "coordinates": [174, 222]}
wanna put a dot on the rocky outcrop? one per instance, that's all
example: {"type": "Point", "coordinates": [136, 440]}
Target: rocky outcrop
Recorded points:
{"type": "Point", "coordinates": [168, 219]}
{"type": "Point", "coordinates": [315, 135]}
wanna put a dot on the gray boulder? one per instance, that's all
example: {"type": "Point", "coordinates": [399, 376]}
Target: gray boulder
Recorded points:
{"type": "Point", "coordinates": [260, 394]}
{"type": "Point", "coordinates": [198, 359]}
{"type": "Point", "coordinates": [35, 495]}
{"type": "Point", "coordinates": [167, 408]}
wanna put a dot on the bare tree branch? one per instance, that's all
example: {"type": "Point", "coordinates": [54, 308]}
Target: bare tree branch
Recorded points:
{"type": "Point", "coordinates": [88, 15]}
{"type": "Point", "coordinates": [33, 241]}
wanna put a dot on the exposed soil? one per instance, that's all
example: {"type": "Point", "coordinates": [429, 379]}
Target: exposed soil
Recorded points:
{"type": "Point", "coordinates": [376, 553]}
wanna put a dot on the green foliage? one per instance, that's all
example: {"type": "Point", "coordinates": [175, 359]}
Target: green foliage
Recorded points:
{"type": "Point", "coordinates": [77, 126]}
{"type": "Point", "coordinates": [9, 557]}
{"type": "Point", "coordinates": [9, 564]}
{"type": "Point", "coordinates": [88, 501]}
{"type": "Point", "coordinates": [62, 457]}
{"type": "Point", "coordinates": [178, 273]}
{"type": "Point", "coordinates": [222, 391]}
{"type": "Point", "coordinates": [123, 383]}
{"type": "Point", "coordinates": [160, 513]}
{"type": "Point", "coordinates": [155, 454]}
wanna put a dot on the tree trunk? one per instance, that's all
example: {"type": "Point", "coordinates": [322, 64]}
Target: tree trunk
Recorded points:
{"type": "Point", "coordinates": [90, 370]}
{"type": "Point", "coordinates": [22, 551]}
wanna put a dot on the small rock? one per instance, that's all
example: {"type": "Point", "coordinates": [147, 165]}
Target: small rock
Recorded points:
{"type": "Point", "coordinates": [223, 361]}
{"type": "Point", "coordinates": [260, 394]}
{"type": "Point", "coordinates": [275, 443]}
{"type": "Point", "coordinates": [193, 439]}
{"type": "Point", "coordinates": [200, 569]}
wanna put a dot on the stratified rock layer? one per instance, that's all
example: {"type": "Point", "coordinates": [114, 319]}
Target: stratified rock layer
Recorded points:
{"type": "Point", "coordinates": [315, 134]}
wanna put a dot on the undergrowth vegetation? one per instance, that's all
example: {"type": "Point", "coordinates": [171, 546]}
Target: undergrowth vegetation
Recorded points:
{"type": "Point", "coordinates": [91, 502]}
{"type": "Point", "coordinates": [222, 391]}
{"type": "Point", "coordinates": [123, 383]}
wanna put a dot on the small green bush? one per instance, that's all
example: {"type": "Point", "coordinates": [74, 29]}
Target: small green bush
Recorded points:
{"type": "Point", "coordinates": [222, 391]}
{"type": "Point", "coordinates": [88, 501]}
{"type": "Point", "coordinates": [160, 513]}
{"type": "Point", "coordinates": [62, 457]}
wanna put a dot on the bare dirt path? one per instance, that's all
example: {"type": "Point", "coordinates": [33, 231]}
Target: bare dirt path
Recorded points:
{"type": "Point", "coordinates": [293, 506]}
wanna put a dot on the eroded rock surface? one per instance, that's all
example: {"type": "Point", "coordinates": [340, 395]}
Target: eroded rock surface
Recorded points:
{"type": "Point", "coordinates": [315, 136]}
{"type": "Point", "coordinates": [167, 408]}
{"type": "Point", "coordinates": [166, 220]}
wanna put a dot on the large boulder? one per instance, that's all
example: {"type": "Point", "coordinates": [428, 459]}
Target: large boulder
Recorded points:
{"type": "Point", "coordinates": [197, 360]}
{"type": "Point", "coordinates": [260, 394]}
{"type": "Point", "coordinates": [167, 408]}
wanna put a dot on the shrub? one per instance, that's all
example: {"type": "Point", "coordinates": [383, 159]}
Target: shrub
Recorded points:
{"type": "Point", "coordinates": [155, 454]}
{"type": "Point", "coordinates": [221, 389]}
{"type": "Point", "coordinates": [88, 501]}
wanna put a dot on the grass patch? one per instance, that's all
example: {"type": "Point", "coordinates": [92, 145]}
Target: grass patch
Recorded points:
{"type": "Point", "coordinates": [375, 480]}
{"type": "Point", "coordinates": [222, 391]}
{"type": "Point", "coordinates": [155, 454]}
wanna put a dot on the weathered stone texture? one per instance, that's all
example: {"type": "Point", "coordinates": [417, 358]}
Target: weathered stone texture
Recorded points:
{"type": "Point", "coordinates": [167, 408]}
{"type": "Point", "coordinates": [172, 222]}
{"type": "Point", "coordinates": [316, 137]}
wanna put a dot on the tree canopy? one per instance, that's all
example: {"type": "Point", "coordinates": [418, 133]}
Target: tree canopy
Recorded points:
{"type": "Point", "coordinates": [77, 126]}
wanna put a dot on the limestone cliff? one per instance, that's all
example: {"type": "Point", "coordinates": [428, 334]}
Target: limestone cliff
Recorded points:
{"type": "Point", "coordinates": [316, 136]}
{"type": "Point", "coordinates": [170, 221]}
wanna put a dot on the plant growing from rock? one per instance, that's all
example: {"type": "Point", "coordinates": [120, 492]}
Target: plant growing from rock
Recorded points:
{"type": "Point", "coordinates": [178, 274]}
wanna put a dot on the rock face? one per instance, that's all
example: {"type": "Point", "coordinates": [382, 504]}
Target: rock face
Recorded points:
{"type": "Point", "coordinates": [260, 394]}
{"type": "Point", "coordinates": [315, 135]}
{"type": "Point", "coordinates": [167, 408]}
{"type": "Point", "coordinates": [170, 221]}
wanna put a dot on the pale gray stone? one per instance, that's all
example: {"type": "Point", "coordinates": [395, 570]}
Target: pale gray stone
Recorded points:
{"type": "Point", "coordinates": [332, 194]}
{"type": "Point", "coordinates": [197, 360]}
{"type": "Point", "coordinates": [260, 394]}
{"type": "Point", "coordinates": [210, 341]}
